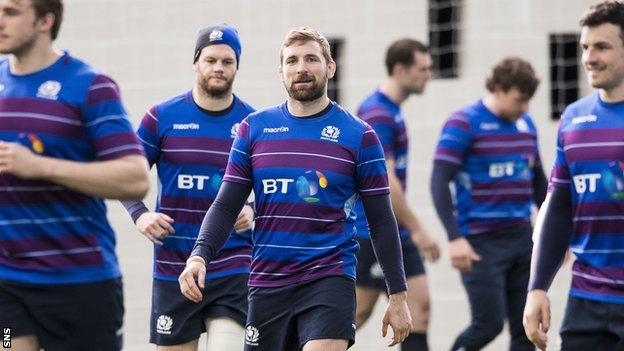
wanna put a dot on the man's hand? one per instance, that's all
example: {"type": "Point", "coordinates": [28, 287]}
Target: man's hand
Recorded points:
{"type": "Point", "coordinates": [18, 160]}
{"type": "Point", "coordinates": [398, 317]}
{"type": "Point", "coordinates": [462, 255]}
{"type": "Point", "coordinates": [155, 226]}
{"type": "Point", "coordinates": [193, 274]}
{"type": "Point", "coordinates": [426, 245]}
{"type": "Point", "coordinates": [245, 219]}
{"type": "Point", "coordinates": [536, 318]}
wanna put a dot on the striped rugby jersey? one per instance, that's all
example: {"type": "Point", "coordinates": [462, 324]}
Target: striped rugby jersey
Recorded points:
{"type": "Point", "coordinates": [50, 234]}
{"type": "Point", "coordinates": [190, 149]}
{"type": "Point", "coordinates": [307, 175]}
{"type": "Point", "coordinates": [590, 162]}
{"type": "Point", "coordinates": [385, 117]}
{"type": "Point", "coordinates": [494, 188]}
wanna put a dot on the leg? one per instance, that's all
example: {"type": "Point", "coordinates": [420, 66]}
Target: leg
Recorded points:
{"type": "Point", "coordinates": [326, 345]}
{"type": "Point", "coordinates": [270, 322]}
{"type": "Point", "coordinates": [485, 287]}
{"type": "Point", "coordinates": [15, 317]}
{"type": "Point", "coordinates": [365, 301]}
{"type": "Point", "coordinates": [419, 305]}
{"type": "Point", "coordinates": [189, 346]}
{"type": "Point", "coordinates": [325, 314]}
{"type": "Point", "coordinates": [25, 343]}
{"type": "Point", "coordinates": [226, 316]}
{"type": "Point", "coordinates": [224, 334]}
{"type": "Point", "coordinates": [516, 285]}
{"type": "Point", "coordinates": [585, 326]}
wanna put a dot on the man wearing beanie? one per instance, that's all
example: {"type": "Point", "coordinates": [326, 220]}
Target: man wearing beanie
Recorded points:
{"type": "Point", "coordinates": [188, 138]}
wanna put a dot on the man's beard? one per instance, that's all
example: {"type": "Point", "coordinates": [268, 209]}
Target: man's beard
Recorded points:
{"type": "Point", "coordinates": [213, 91]}
{"type": "Point", "coordinates": [307, 94]}
{"type": "Point", "coordinates": [21, 48]}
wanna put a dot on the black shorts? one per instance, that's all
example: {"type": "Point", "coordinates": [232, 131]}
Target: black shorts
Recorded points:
{"type": "Point", "coordinates": [72, 317]}
{"type": "Point", "coordinates": [592, 325]}
{"type": "Point", "coordinates": [369, 272]}
{"type": "Point", "coordinates": [177, 320]}
{"type": "Point", "coordinates": [285, 318]}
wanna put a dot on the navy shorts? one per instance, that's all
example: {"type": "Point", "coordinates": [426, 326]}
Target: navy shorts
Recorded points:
{"type": "Point", "coordinates": [72, 317]}
{"type": "Point", "coordinates": [592, 325]}
{"type": "Point", "coordinates": [285, 318]}
{"type": "Point", "coordinates": [177, 320]}
{"type": "Point", "coordinates": [369, 272]}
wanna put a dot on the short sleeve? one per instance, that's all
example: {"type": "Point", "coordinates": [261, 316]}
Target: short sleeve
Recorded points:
{"type": "Point", "coordinates": [371, 173]}
{"type": "Point", "coordinates": [238, 169]}
{"type": "Point", "coordinates": [107, 123]}
{"type": "Point", "coordinates": [454, 141]}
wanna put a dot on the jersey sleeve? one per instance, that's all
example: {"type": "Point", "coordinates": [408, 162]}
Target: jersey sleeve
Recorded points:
{"type": "Point", "coordinates": [383, 124]}
{"type": "Point", "coordinates": [148, 135]}
{"type": "Point", "coordinates": [560, 174]}
{"type": "Point", "coordinates": [454, 141]}
{"type": "Point", "coordinates": [107, 123]}
{"type": "Point", "coordinates": [238, 169]}
{"type": "Point", "coordinates": [371, 173]}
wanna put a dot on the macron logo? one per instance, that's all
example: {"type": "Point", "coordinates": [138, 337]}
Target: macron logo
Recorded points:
{"type": "Point", "coordinates": [584, 119]}
{"type": "Point", "coordinates": [186, 126]}
{"type": "Point", "coordinates": [275, 130]}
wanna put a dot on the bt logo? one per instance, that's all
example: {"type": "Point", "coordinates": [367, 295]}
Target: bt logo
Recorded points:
{"type": "Point", "coordinates": [501, 169]}
{"type": "Point", "coordinates": [307, 185]}
{"type": "Point", "coordinates": [188, 181]}
{"type": "Point", "coordinates": [270, 186]}
{"type": "Point", "coordinates": [584, 182]}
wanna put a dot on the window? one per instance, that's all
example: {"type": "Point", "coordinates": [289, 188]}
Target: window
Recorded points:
{"type": "Point", "coordinates": [444, 21]}
{"type": "Point", "coordinates": [333, 87]}
{"type": "Point", "coordinates": [564, 72]}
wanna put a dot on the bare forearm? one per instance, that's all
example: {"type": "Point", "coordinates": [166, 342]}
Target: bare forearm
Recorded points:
{"type": "Point", "coordinates": [123, 178]}
{"type": "Point", "coordinates": [402, 211]}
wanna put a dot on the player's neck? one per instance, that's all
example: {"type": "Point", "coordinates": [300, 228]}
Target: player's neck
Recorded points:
{"type": "Point", "coordinates": [392, 89]}
{"type": "Point", "coordinates": [491, 104]}
{"type": "Point", "coordinates": [38, 57]}
{"type": "Point", "coordinates": [212, 103]}
{"type": "Point", "coordinates": [612, 95]}
{"type": "Point", "coordinates": [307, 108]}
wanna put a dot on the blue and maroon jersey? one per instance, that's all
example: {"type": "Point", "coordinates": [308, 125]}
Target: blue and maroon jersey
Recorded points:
{"type": "Point", "coordinates": [590, 162]}
{"type": "Point", "coordinates": [385, 117]}
{"type": "Point", "coordinates": [50, 234]}
{"type": "Point", "coordinates": [307, 175]}
{"type": "Point", "coordinates": [494, 188]}
{"type": "Point", "coordinates": [190, 149]}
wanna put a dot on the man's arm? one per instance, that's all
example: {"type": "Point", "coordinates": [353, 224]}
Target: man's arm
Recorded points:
{"type": "Point", "coordinates": [553, 231]}
{"type": "Point", "coordinates": [460, 250]}
{"type": "Point", "coordinates": [406, 217]}
{"type": "Point", "coordinates": [540, 185]}
{"type": "Point", "coordinates": [121, 178]}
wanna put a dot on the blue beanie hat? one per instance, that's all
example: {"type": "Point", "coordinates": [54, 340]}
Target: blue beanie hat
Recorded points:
{"type": "Point", "coordinates": [219, 34]}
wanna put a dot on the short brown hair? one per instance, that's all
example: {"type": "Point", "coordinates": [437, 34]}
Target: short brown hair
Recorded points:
{"type": "Point", "coordinates": [513, 72]}
{"type": "Point", "coordinates": [306, 34]}
{"type": "Point", "coordinates": [402, 52]}
{"type": "Point", "coordinates": [55, 7]}
{"type": "Point", "coordinates": [605, 12]}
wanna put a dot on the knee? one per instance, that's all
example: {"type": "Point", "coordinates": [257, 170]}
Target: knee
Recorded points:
{"type": "Point", "coordinates": [488, 331]}
{"type": "Point", "coordinates": [420, 315]}
{"type": "Point", "coordinates": [362, 314]}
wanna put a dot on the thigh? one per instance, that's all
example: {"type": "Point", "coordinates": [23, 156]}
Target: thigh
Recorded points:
{"type": "Point", "coordinates": [78, 316]}
{"type": "Point", "coordinates": [326, 310]}
{"type": "Point", "coordinates": [175, 320]}
{"type": "Point", "coordinates": [485, 285]}
{"type": "Point", "coordinates": [412, 262]}
{"type": "Point", "coordinates": [365, 302]}
{"type": "Point", "coordinates": [326, 345]}
{"type": "Point", "coordinates": [14, 313]}
{"type": "Point", "coordinates": [224, 334]}
{"type": "Point", "coordinates": [227, 297]}
{"type": "Point", "coordinates": [368, 270]}
{"type": "Point", "coordinates": [585, 326]}
{"type": "Point", "coordinates": [270, 325]}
